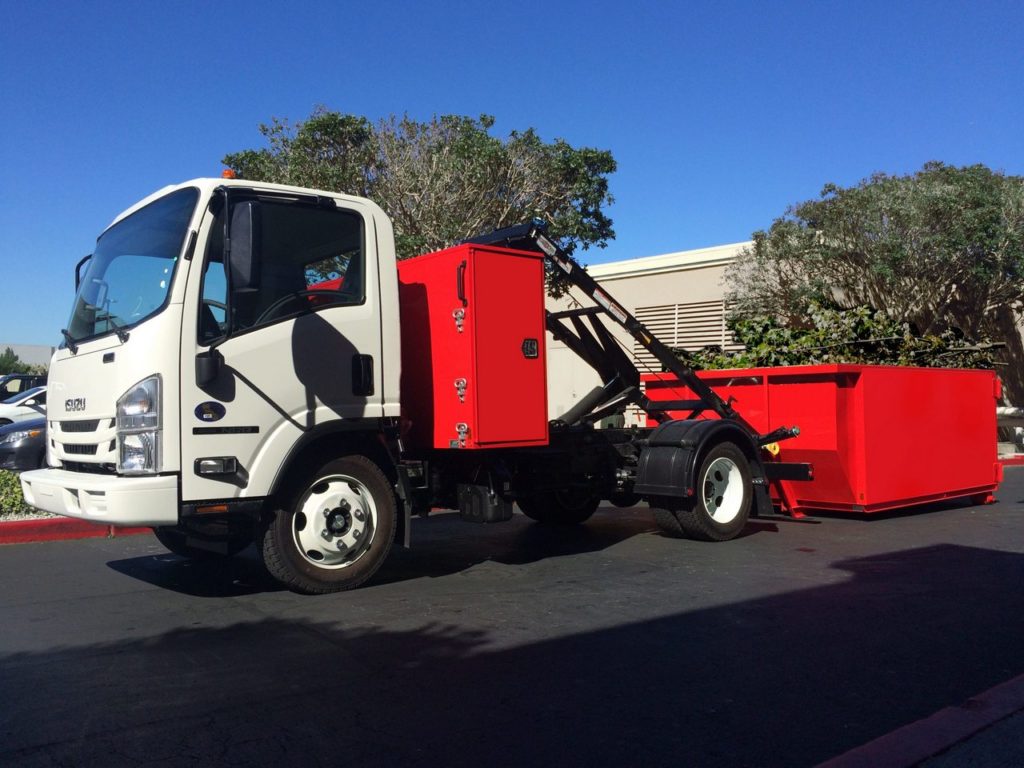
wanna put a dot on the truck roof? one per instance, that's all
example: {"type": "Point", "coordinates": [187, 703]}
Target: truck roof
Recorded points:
{"type": "Point", "coordinates": [206, 185]}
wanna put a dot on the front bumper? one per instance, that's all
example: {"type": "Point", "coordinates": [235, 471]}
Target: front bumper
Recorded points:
{"type": "Point", "coordinates": [107, 499]}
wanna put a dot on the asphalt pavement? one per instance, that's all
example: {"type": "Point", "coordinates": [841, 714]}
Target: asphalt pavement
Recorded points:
{"type": "Point", "coordinates": [516, 644]}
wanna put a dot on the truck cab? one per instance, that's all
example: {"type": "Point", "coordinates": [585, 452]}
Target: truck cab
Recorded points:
{"type": "Point", "coordinates": [208, 349]}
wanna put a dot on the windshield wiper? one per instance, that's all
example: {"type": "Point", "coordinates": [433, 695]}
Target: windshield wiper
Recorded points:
{"type": "Point", "coordinates": [122, 334]}
{"type": "Point", "coordinates": [69, 341]}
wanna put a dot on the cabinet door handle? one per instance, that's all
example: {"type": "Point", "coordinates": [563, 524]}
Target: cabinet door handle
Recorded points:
{"type": "Point", "coordinates": [460, 283]}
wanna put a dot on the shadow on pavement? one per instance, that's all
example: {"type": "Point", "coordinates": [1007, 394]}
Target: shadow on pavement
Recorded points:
{"type": "Point", "coordinates": [785, 680]}
{"type": "Point", "coordinates": [243, 574]}
{"type": "Point", "coordinates": [442, 545]}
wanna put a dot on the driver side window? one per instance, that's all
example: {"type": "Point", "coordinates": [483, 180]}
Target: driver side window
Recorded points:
{"type": "Point", "coordinates": [310, 258]}
{"type": "Point", "coordinates": [214, 307]}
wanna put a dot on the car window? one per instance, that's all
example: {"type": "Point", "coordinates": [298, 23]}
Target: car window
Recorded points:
{"type": "Point", "coordinates": [12, 387]}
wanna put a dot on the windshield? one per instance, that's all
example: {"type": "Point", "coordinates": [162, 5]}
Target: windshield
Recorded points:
{"type": "Point", "coordinates": [129, 276]}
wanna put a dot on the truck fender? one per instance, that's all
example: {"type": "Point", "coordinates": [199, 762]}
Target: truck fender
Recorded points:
{"type": "Point", "coordinates": [668, 463]}
{"type": "Point", "coordinates": [367, 437]}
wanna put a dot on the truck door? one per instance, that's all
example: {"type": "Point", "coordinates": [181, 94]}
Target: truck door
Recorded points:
{"type": "Point", "coordinates": [300, 348]}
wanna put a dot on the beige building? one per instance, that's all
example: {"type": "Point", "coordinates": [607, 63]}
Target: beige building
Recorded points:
{"type": "Point", "coordinates": [679, 296]}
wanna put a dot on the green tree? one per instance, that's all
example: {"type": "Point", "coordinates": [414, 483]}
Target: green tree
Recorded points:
{"type": "Point", "coordinates": [938, 249]}
{"type": "Point", "coordinates": [830, 335]}
{"type": "Point", "coordinates": [11, 363]}
{"type": "Point", "coordinates": [442, 180]}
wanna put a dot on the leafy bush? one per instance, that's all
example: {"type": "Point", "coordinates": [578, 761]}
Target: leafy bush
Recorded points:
{"type": "Point", "coordinates": [858, 335]}
{"type": "Point", "coordinates": [12, 502]}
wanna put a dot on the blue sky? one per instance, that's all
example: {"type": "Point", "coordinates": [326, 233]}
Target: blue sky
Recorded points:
{"type": "Point", "coordinates": [720, 114]}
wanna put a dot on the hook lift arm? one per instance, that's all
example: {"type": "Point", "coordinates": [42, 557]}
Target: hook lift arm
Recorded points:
{"type": "Point", "coordinates": [596, 346]}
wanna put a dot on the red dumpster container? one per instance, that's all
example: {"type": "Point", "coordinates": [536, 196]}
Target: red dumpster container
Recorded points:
{"type": "Point", "coordinates": [878, 437]}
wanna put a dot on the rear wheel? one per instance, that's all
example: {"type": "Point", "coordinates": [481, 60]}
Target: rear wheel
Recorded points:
{"type": "Point", "coordinates": [722, 503]}
{"type": "Point", "coordinates": [335, 530]}
{"type": "Point", "coordinates": [570, 506]}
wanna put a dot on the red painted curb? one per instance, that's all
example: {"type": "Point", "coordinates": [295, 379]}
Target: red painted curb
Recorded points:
{"type": "Point", "coordinates": [59, 528]}
{"type": "Point", "coordinates": [1012, 461]}
{"type": "Point", "coordinates": [914, 743]}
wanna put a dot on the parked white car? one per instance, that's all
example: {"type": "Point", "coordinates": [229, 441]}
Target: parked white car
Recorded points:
{"type": "Point", "coordinates": [30, 404]}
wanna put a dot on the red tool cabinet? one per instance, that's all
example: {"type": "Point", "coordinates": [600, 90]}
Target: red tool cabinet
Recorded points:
{"type": "Point", "coordinates": [878, 437]}
{"type": "Point", "coordinates": [473, 353]}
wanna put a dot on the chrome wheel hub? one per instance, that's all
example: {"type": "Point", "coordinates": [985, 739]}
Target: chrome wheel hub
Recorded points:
{"type": "Point", "coordinates": [723, 490]}
{"type": "Point", "coordinates": [335, 522]}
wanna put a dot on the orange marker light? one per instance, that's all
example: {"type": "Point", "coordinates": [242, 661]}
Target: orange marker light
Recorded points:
{"type": "Point", "coordinates": [227, 173]}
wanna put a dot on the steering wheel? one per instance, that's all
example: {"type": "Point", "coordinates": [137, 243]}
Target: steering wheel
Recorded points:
{"type": "Point", "coordinates": [276, 305]}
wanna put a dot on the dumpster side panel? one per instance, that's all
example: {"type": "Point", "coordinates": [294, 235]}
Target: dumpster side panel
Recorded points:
{"type": "Point", "coordinates": [930, 434]}
{"type": "Point", "coordinates": [827, 408]}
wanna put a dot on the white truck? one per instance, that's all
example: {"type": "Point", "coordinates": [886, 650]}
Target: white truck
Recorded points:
{"type": "Point", "coordinates": [232, 373]}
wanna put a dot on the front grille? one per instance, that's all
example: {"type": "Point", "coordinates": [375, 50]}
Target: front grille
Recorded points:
{"type": "Point", "coordinates": [85, 440]}
{"type": "Point", "coordinates": [86, 425]}
{"type": "Point", "coordinates": [80, 450]}
{"type": "Point", "coordinates": [95, 469]}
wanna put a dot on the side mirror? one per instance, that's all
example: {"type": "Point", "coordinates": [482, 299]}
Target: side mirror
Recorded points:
{"type": "Point", "coordinates": [29, 403]}
{"type": "Point", "coordinates": [208, 365]}
{"type": "Point", "coordinates": [244, 247]}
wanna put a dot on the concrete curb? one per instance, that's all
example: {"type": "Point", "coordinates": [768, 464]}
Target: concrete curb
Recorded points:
{"type": "Point", "coordinates": [914, 743]}
{"type": "Point", "coordinates": [59, 528]}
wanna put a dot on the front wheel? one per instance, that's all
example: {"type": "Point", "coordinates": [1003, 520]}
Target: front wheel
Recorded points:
{"type": "Point", "coordinates": [722, 503]}
{"type": "Point", "coordinates": [335, 531]}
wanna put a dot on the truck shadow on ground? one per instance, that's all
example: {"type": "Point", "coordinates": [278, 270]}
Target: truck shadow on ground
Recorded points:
{"type": "Point", "coordinates": [443, 544]}
{"type": "Point", "coordinates": [784, 680]}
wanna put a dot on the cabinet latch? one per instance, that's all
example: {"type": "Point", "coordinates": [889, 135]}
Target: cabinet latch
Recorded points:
{"type": "Point", "coordinates": [462, 430]}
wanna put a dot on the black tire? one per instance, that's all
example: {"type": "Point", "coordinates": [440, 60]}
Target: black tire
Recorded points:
{"type": "Point", "coordinates": [568, 507]}
{"type": "Point", "coordinates": [722, 503]}
{"type": "Point", "coordinates": [334, 531]}
{"type": "Point", "coordinates": [176, 541]}
{"type": "Point", "coordinates": [5, 422]}
{"type": "Point", "coordinates": [624, 500]}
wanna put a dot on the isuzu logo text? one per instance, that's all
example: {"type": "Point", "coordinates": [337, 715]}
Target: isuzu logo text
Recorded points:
{"type": "Point", "coordinates": [74, 404]}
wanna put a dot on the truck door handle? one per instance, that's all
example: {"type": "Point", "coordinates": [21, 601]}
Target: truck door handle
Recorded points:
{"type": "Point", "coordinates": [362, 375]}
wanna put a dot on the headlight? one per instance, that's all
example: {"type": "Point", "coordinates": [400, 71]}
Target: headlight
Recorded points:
{"type": "Point", "coordinates": [139, 408]}
{"type": "Point", "coordinates": [138, 428]}
{"type": "Point", "coordinates": [17, 437]}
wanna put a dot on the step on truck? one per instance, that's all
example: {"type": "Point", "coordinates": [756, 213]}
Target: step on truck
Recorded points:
{"type": "Point", "coordinates": [248, 363]}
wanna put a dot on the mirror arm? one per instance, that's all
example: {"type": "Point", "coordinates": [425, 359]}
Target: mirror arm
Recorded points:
{"type": "Point", "coordinates": [78, 270]}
